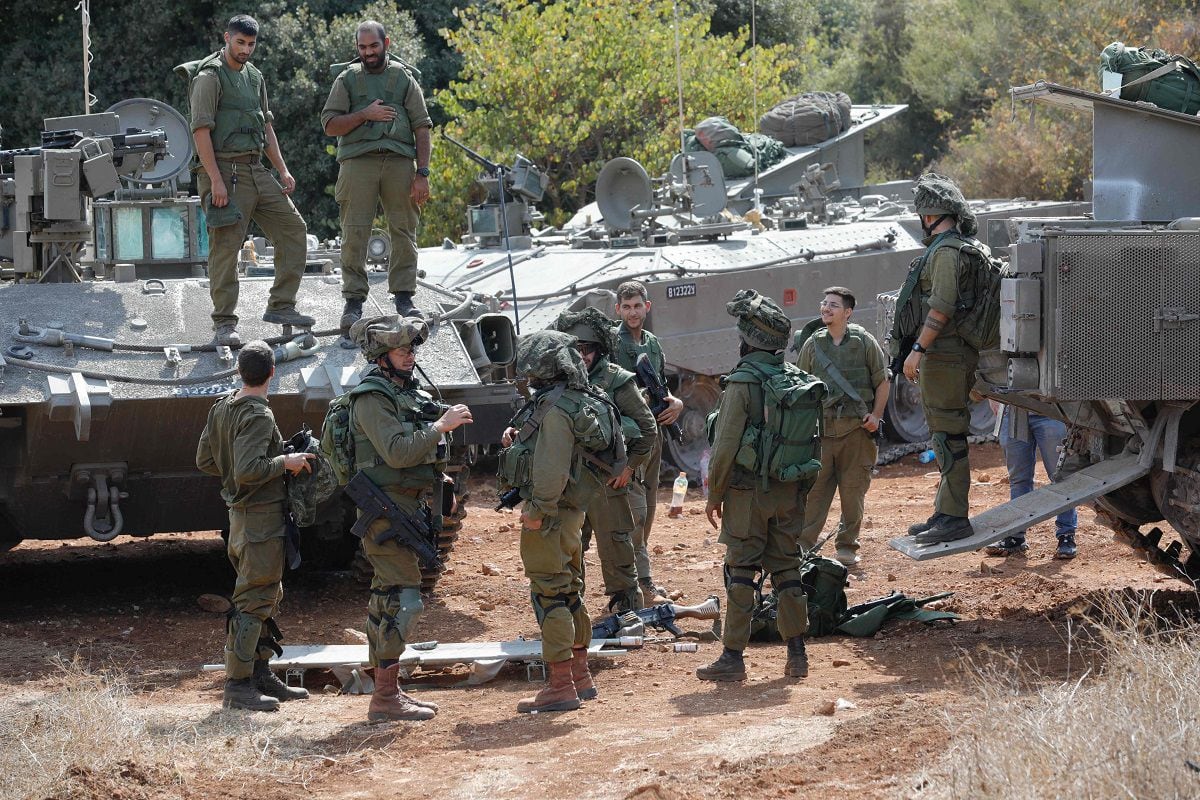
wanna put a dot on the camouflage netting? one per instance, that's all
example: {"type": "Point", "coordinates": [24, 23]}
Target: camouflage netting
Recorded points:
{"type": "Point", "coordinates": [936, 194]}
{"type": "Point", "coordinates": [377, 335]}
{"type": "Point", "coordinates": [761, 323]}
{"type": "Point", "coordinates": [589, 325]}
{"type": "Point", "coordinates": [551, 356]}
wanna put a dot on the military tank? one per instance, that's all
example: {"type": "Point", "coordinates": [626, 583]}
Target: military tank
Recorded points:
{"type": "Point", "coordinates": [109, 368]}
{"type": "Point", "coordinates": [1100, 328]}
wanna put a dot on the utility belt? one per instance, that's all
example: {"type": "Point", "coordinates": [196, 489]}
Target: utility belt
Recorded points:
{"type": "Point", "coordinates": [414, 531]}
{"type": "Point", "coordinates": [248, 158]}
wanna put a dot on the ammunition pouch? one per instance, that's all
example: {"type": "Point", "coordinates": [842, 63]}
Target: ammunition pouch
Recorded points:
{"type": "Point", "coordinates": [223, 216]}
{"type": "Point", "coordinates": [515, 467]}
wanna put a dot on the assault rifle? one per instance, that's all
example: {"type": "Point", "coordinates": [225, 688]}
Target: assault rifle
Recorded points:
{"type": "Point", "coordinates": [660, 616]}
{"type": "Point", "coordinates": [647, 377]}
{"type": "Point", "coordinates": [412, 531]}
{"type": "Point", "coordinates": [509, 498]}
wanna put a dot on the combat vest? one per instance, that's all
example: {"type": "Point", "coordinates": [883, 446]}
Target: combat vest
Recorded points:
{"type": "Point", "coordinates": [850, 360]}
{"type": "Point", "coordinates": [976, 316]}
{"type": "Point", "coordinates": [240, 126]}
{"type": "Point", "coordinates": [628, 352]}
{"type": "Point", "coordinates": [415, 409]}
{"type": "Point", "coordinates": [364, 88]}
{"type": "Point", "coordinates": [608, 378]}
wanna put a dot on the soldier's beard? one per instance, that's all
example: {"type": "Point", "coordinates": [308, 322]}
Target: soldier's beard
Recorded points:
{"type": "Point", "coordinates": [373, 62]}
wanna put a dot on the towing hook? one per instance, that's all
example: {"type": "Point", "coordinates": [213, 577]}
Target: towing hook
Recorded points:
{"type": "Point", "coordinates": [107, 524]}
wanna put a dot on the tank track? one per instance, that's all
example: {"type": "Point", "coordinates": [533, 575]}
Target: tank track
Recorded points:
{"type": "Point", "coordinates": [1164, 559]}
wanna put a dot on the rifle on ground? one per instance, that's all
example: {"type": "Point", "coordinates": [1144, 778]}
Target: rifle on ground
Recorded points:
{"type": "Point", "coordinates": [660, 616]}
{"type": "Point", "coordinates": [412, 531]}
{"type": "Point", "coordinates": [647, 377]}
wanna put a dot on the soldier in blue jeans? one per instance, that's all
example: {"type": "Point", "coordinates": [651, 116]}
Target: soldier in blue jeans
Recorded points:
{"type": "Point", "coordinates": [1020, 451]}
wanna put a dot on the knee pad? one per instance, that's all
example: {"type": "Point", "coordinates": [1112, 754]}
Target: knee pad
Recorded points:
{"type": "Point", "coordinates": [787, 583]}
{"type": "Point", "coordinates": [546, 604]}
{"type": "Point", "coordinates": [743, 583]}
{"type": "Point", "coordinates": [397, 608]}
{"type": "Point", "coordinates": [949, 449]}
{"type": "Point", "coordinates": [244, 631]}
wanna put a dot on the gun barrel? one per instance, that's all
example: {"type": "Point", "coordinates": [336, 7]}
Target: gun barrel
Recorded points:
{"type": "Point", "coordinates": [482, 160]}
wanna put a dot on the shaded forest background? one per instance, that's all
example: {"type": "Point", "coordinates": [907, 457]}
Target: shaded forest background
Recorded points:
{"type": "Point", "coordinates": [573, 83]}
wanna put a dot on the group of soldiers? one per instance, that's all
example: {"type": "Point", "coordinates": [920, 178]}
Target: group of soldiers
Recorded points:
{"type": "Point", "coordinates": [583, 392]}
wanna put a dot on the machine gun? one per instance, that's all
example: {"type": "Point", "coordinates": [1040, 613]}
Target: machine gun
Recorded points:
{"type": "Point", "coordinates": [660, 616]}
{"type": "Point", "coordinates": [509, 498]}
{"type": "Point", "coordinates": [413, 532]}
{"type": "Point", "coordinates": [647, 378]}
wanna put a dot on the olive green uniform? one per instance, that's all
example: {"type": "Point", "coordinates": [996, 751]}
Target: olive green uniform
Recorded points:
{"type": "Point", "coordinates": [233, 105]}
{"type": "Point", "coordinates": [377, 166]}
{"type": "Point", "coordinates": [397, 448]}
{"type": "Point", "coordinates": [759, 527]}
{"type": "Point", "coordinates": [848, 451]}
{"type": "Point", "coordinates": [615, 514]}
{"type": "Point", "coordinates": [243, 447]}
{"type": "Point", "coordinates": [626, 356]}
{"type": "Point", "coordinates": [946, 377]}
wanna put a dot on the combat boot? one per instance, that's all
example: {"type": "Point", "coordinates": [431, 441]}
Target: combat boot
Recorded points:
{"type": "Point", "coordinates": [652, 594]}
{"type": "Point", "coordinates": [405, 307]}
{"type": "Point", "coordinates": [227, 335]}
{"type": "Point", "coordinates": [557, 695]}
{"type": "Point", "coordinates": [847, 557]}
{"type": "Point", "coordinates": [242, 693]}
{"type": "Point", "coordinates": [947, 529]}
{"type": "Point", "coordinates": [387, 703]}
{"type": "Point", "coordinates": [797, 660]}
{"type": "Point", "coordinates": [729, 667]}
{"type": "Point", "coordinates": [1008, 546]}
{"type": "Point", "coordinates": [289, 316]}
{"type": "Point", "coordinates": [269, 684]}
{"type": "Point", "coordinates": [351, 313]}
{"type": "Point", "coordinates": [921, 527]}
{"type": "Point", "coordinates": [581, 676]}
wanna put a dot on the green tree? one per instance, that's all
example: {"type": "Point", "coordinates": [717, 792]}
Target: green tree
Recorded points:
{"type": "Point", "coordinates": [575, 83]}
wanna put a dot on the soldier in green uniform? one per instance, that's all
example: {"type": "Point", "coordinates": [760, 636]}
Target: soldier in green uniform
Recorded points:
{"type": "Point", "coordinates": [547, 459]}
{"type": "Point", "coordinates": [759, 526]}
{"type": "Point", "coordinates": [397, 430]}
{"type": "Point", "coordinates": [633, 340]}
{"type": "Point", "coordinates": [620, 505]}
{"type": "Point", "coordinates": [851, 363]}
{"type": "Point", "coordinates": [377, 112]}
{"type": "Point", "coordinates": [242, 446]}
{"type": "Point", "coordinates": [940, 362]}
{"type": "Point", "coordinates": [231, 126]}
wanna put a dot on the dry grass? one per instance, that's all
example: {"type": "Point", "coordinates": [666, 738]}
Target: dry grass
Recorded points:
{"type": "Point", "coordinates": [1128, 729]}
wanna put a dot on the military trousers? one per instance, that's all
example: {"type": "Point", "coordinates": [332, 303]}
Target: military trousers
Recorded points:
{"type": "Point", "coordinates": [759, 530]}
{"type": "Point", "coordinates": [395, 601]}
{"type": "Point", "coordinates": [947, 375]}
{"type": "Point", "coordinates": [649, 491]}
{"type": "Point", "coordinates": [610, 516]}
{"type": "Point", "coordinates": [260, 198]}
{"type": "Point", "coordinates": [846, 464]}
{"type": "Point", "coordinates": [363, 184]}
{"type": "Point", "coordinates": [256, 551]}
{"type": "Point", "coordinates": [553, 559]}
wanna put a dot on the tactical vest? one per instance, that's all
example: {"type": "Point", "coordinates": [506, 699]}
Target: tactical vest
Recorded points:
{"type": "Point", "coordinates": [608, 378]}
{"type": "Point", "coordinates": [912, 305]}
{"type": "Point", "coordinates": [240, 125]}
{"type": "Point", "coordinates": [415, 409]}
{"type": "Point", "coordinates": [628, 352]}
{"type": "Point", "coordinates": [364, 88]}
{"type": "Point", "coordinates": [850, 359]}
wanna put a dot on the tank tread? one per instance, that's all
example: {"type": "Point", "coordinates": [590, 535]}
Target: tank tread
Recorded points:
{"type": "Point", "coordinates": [1164, 559]}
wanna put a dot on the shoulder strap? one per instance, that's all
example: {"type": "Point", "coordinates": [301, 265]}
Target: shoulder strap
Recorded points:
{"type": "Point", "coordinates": [540, 411]}
{"type": "Point", "coordinates": [834, 373]}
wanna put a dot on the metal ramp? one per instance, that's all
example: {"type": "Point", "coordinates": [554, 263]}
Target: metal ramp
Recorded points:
{"type": "Point", "coordinates": [1039, 505]}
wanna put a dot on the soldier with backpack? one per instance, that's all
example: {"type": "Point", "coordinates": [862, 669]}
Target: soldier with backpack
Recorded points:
{"type": "Point", "coordinates": [397, 437]}
{"type": "Point", "coordinates": [943, 319]}
{"type": "Point", "coordinates": [561, 447]}
{"type": "Point", "coordinates": [765, 437]}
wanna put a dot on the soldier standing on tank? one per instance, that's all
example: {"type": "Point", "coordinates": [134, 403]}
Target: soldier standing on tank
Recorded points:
{"type": "Point", "coordinates": [940, 362]}
{"type": "Point", "coordinates": [633, 306]}
{"type": "Point", "coordinates": [242, 446]}
{"type": "Point", "coordinates": [759, 527]}
{"type": "Point", "coordinates": [399, 448]}
{"type": "Point", "coordinates": [377, 112]}
{"type": "Point", "coordinates": [231, 126]}
{"type": "Point", "coordinates": [619, 507]}
{"type": "Point", "coordinates": [557, 489]}
{"type": "Point", "coordinates": [851, 363]}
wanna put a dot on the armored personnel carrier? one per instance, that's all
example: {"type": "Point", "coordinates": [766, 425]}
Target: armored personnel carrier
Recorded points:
{"type": "Point", "coordinates": [1100, 328]}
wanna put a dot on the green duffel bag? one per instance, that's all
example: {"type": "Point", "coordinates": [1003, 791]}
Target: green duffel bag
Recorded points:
{"type": "Point", "coordinates": [1150, 75]}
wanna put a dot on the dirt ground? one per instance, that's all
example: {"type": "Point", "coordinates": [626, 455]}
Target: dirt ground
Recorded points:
{"type": "Point", "coordinates": [655, 732]}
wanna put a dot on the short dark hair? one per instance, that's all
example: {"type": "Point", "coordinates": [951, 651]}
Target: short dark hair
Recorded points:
{"type": "Point", "coordinates": [371, 25]}
{"type": "Point", "coordinates": [630, 289]}
{"type": "Point", "coordinates": [255, 362]}
{"type": "Point", "coordinates": [842, 292]}
{"type": "Point", "coordinates": [244, 24]}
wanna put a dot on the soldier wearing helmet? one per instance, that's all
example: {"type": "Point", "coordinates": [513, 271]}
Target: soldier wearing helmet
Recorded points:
{"type": "Point", "coordinates": [619, 507]}
{"type": "Point", "coordinates": [399, 436]}
{"type": "Point", "coordinates": [940, 362]}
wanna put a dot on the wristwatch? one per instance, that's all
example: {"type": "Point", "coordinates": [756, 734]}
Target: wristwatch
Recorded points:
{"type": "Point", "coordinates": [423, 172]}
{"type": "Point", "coordinates": [917, 348]}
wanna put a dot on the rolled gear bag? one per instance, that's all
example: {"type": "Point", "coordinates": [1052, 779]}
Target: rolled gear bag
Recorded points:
{"type": "Point", "coordinates": [1150, 75]}
{"type": "Point", "coordinates": [808, 118]}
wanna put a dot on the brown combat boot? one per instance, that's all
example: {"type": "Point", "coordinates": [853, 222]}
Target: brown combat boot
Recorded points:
{"type": "Point", "coordinates": [386, 702]}
{"type": "Point", "coordinates": [580, 675]}
{"type": "Point", "coordinates": [557, 695]}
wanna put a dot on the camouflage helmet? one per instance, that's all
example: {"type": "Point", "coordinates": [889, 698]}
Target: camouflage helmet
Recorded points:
{"type": "Point", "coordinates": [308, 491]}
{"type": "Point", "coordinates": [761, 322]}
{"type": "Point", "coordinates": [936, 194]}
{"type": "Point", "coordinates": [588, 325]}
{"type": "Point", "coordinates": [375, 336]}
{"type": "Point", "coordinates": [549, 356]}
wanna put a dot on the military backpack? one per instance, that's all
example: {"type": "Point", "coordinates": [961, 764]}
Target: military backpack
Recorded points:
{"type": "Point", "coordinates": [824, 582]}
{"type": "Point", "coordinates": [1150, 75]}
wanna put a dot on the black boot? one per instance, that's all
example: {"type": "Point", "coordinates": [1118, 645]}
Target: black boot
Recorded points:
{"type": "Point", "coordinates": [947, 529]}
{"type": "Point", "coordinates": [242, 693]}
{"type": "Point", "coordinates": [351, 313]}
{"type": "Point", "coordinates": [797, 662]}
{"type": "Point", "coordinates": [729, 667]}
{"type": "Point", "coordinates": [269, 684]}
{"type": "Point", "coordinates": [921, 527]}
{"type": "Point", "coordinates": [405, 307]}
